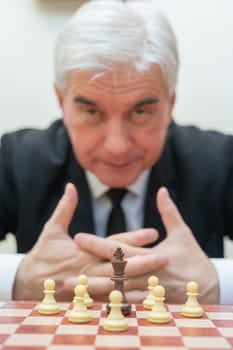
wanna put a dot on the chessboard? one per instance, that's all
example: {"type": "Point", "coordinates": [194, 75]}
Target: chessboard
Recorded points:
{"type": "Point", "coordinates": [21, 327]}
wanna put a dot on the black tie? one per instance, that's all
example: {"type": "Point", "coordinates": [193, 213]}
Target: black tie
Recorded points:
{"type": "Point", "coordinates": [116, 221]}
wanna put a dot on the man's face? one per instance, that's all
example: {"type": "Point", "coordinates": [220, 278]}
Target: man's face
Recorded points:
{"type": "Point", "coordinates": [117, 122]}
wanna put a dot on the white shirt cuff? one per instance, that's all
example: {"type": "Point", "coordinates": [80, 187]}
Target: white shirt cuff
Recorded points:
{"type": "Point", "coordinates": [224, 268]}
{"type": "Point", "coordinates": [9, 264]}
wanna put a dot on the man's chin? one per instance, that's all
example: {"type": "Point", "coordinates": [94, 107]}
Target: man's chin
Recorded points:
{"type": "Point", "coordinates": [121, 181]}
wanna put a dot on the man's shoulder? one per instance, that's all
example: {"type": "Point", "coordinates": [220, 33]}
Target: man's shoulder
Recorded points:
{"type": "Point", "coordinates": [190, 139]}
{"type": "Point", "coordinates": [36, 145]}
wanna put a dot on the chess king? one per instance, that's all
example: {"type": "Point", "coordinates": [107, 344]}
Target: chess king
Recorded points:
{"type": "Point", "coordinates": [116, 68]}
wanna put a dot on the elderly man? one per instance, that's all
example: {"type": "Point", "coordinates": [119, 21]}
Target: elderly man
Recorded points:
{"type": "Point", "coordinates": [116, 67]}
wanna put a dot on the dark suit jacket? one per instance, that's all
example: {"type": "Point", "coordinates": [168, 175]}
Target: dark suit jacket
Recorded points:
{"type": "Point", "coordinates": [196, 167]}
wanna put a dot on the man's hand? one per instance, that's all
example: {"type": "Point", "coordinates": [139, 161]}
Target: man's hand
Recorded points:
{"type": "Point", "coordinates": [55, 255]}
{"type": "Point", "coordinates": [187, 261]}
{"type": "Point", "coordinates": [140, 261]}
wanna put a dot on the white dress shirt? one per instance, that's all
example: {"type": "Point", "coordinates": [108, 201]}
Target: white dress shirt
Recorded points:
{"type": "Point", "coordinates": [133, 205]}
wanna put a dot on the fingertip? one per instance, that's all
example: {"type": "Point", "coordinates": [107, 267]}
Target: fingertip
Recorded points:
{"type": "Point", "coordinates": [70, 189]}
{"type": "Point", "coordinates": [78, 238]}
{"type": "Point", "coordinates": [152, 234]}
{"type": "Point", "coordinates": [163, 195]}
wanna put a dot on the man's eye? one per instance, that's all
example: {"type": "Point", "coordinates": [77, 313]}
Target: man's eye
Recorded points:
{"type": "Point", "coordinates": [91, 111]}
{"type": "Point", "coordinates": [139, 112]}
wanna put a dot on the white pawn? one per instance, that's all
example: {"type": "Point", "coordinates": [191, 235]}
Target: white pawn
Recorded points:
{"type": "Point", "coordinates": [115, 322]}
{"type": "Point", "coordinates": [192, 308]}
{"type": "Point", "coordinates": [159, 313]}
{"type": "Point", "coordinates": [149, 302]}
{"type": "Point", "coordinates": [79, 313]}
{"type": "Point", "coordinates": [82, 280]}
{"type": "Point", "coordinates": [48, 306]}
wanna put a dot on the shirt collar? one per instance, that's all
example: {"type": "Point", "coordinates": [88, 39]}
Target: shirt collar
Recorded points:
{"type": "Point", "coordinates": [98, 188]}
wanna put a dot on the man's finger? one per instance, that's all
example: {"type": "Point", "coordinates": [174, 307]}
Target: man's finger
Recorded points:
{"type": "Point", "coordinates": [137, 238]}
{"type": "Point", "coordinates": [105, 248]}
{"type": "Point", "coordinates": [65, 208]}
{"type": "Point", "coordinates": [169, 213]}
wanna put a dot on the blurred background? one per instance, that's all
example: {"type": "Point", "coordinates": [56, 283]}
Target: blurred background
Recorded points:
{"type": "Point", "coordinates": [28, 31]}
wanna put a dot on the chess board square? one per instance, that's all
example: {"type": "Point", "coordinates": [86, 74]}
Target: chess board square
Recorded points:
{"type": "Point", "coordinates": [161, 341]}
{"type": "Point", "coordinates": [111, 341]}
{"type": "Point", "coordinates": [201, 332]}
{"type": "Point", "coordinates": [74, 339]}
{"type": "Point", "coordinates": [77, 329]}
{"type": "Point", "coordinates": [37, 328]}
{"type": "Point", "coordinates": [194, 322]}
{"type": "Point", "coordinates": [223, 323]}
{"type": "Point", "coordinates": [14, 312]}
{"type": "Point", "coordinates": [65, 306]}
{"type": "Point", "coordinates": [11, 320]}
{"type": "Point", "coordinates": [174, 307]}
{"type": "Point", "coordinates": [159, 331]}
{"type": "Point", "coordinates": [218, 308]}
{"type": "Point", "coordinates": [8, 328]}
{"type": "Point", "coordinates": [3, 337]}
{"type": "Point", "coordinates": [114, 348]}
{"type": "Point", "coordinates": [206, 343]}
{"type": "Point", "coordinates": [163, 348]}
{"type": "Point", "coordinates": [141, 314]}
{"type": "Point", "coordinates": [137, 307]}
{"type": "Point", "coordinates": [43, 320]}
{"type": "Point", "coordinates": [71, 347]}
{"type": "Point", "coordinates": [19, 305]}
{"type": "Point", "coordinates": [220, 315]}
{"type": "Point", "coordinates": [95, 313]}
{"type": "Point", "coordinates": [226, 332]}
{"type": "Point", "coordinates": [34, 339]}
{"type": "Point", "coordinates": [17, 347]}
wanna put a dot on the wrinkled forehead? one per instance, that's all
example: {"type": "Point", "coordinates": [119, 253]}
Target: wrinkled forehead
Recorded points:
{"type": "Point", "coordinates": [117, 78]}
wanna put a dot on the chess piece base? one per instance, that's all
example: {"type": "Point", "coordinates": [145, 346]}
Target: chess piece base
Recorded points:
{"type": "Point", "coordinates": [192, 311]}
{"type": "Point", "coordinates": [115, 325]}
{"type": "Point", "coordinates": [159, 317]}
{"type": "Point", "coordinates": [48, 309]}
{"type": "Point", "coordinates": [79, 317]}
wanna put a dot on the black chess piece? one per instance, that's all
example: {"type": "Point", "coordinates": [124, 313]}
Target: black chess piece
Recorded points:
{"type": "Point", "coordinates": [118, 264]}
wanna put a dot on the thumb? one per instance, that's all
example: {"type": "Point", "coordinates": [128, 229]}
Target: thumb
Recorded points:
{"type": "Point", "coordinates": [65, 208]}
{"type": "Point", "coordinates": [170, 215]}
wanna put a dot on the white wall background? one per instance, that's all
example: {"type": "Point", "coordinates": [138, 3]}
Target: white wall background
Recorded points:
{"type": "Point", "coordinates": [28, 30]}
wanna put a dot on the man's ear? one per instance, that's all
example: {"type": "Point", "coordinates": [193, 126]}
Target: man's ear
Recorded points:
{"type": "Point", "coordinates": [58, 93]}
{"type": "Point", "coordinates": [172, 100]}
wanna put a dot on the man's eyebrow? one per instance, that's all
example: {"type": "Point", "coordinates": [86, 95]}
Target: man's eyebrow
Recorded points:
{"type": "Point", "coordinates": [82, 99]}
{"type": "Point", "coordinates": [146, 101]}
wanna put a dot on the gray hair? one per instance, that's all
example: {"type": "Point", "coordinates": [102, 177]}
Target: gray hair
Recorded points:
{"type": "Point", "coordinates": [104, 34]}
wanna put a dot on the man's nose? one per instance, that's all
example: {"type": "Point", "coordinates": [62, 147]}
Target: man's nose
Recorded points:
{"type": "Point", "coordinates": [117, 138]}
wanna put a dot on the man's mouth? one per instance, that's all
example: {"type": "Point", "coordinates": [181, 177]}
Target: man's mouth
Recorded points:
{"type": "Point", "coordinates": [118, 165]}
